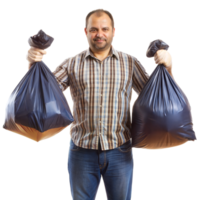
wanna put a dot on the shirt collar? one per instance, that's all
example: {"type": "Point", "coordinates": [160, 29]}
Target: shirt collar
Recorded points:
{"type": "Point", "coordinates": [112, 52]}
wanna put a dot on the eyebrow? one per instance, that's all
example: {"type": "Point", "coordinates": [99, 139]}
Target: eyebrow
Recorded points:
{"type": "Point", "coordinates": [97, 28]}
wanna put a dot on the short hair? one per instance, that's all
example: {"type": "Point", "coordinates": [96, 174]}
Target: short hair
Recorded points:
{"type": "Point", "coordinates": [99, 12]}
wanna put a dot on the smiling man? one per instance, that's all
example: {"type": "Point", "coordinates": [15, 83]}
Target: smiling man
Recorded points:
{"type": "Point", "coordinates": [101, 80]}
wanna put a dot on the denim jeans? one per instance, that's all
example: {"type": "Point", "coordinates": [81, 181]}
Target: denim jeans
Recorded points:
{"type": "Point", "coordinates": [85, 167]}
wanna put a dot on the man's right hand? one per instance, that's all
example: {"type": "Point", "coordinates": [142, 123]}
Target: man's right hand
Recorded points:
{"type": "Point", "coordinates": [35, 55]}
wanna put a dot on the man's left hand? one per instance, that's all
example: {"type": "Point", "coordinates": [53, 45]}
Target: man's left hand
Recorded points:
{"type": "Point", "coordinates": [163, 57]}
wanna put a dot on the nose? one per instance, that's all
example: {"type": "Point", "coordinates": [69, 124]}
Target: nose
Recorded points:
{"type": "Point", "coordinates": [99, 33]}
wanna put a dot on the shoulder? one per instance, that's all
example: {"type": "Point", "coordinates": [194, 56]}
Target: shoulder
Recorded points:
{"type": "Point", "coordinates": [70, 60]}
{"type": "Point", "coordinates": [124, 55]}
{"type": "Point", "coordinates": [79, 55]}
{"type": "Point", "coordinates": [135, 63]}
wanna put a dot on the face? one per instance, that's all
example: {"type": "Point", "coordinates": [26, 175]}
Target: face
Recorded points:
{"type": "Point", "coordinates": [99, 32]}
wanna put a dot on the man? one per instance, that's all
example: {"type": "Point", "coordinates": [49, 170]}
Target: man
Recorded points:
{"type": "Point", "coordinates": [101, 81]}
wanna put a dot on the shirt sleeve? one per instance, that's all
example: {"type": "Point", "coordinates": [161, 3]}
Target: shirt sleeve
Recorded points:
{"type": "Point", "coordinates": [61, 75]}
{"type": "Point", "coordinates": [140, 76]}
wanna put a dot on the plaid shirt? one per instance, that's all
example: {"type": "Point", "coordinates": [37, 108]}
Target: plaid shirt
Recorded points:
{"type": "Point", "coordinates": [101, 93]}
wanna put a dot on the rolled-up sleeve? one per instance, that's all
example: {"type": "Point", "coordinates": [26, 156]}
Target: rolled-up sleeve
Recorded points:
{"type": "Point", "coordinates": [61, 74]}
{"type": "Point", "coordinates": [140, 76]}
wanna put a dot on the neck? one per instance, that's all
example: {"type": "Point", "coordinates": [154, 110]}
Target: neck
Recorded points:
{"type": "Point", "coordinates": [102, 54]}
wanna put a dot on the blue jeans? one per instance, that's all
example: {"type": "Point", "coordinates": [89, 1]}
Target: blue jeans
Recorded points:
{"type": "Point", "coordinates": [86, 166]}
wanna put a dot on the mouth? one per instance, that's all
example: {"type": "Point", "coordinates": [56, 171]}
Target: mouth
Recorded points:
{"type": "Point", "coordinates": [99, 40]}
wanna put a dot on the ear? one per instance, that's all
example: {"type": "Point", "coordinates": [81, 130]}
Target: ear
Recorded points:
{"type": "Point", "coordinates": [84, 31]}
{"type": "Point", "coordinates": [115, 32]}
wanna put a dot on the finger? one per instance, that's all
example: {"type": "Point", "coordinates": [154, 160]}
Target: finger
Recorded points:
{"type": "Point", "coordinates": [155, 56]}
{"type": "Point", "coordinates": [155, 61]}
{"type": "Point", "coordinates": [43, 52]}
{"type": "Point", "coordinates": [35, 54]}
{"type": "Point", "coordinates": [38, 50]}
{"type": "Point", "coordinates": [35, 48]}
{"type": "Point", "coordinates": [31, 59]}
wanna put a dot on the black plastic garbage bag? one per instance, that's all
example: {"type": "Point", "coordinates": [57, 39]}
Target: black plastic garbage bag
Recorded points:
{"type": "Point", "coordinates": [161, 115]}
{"type": "Point", "coordinates": [37, 107]}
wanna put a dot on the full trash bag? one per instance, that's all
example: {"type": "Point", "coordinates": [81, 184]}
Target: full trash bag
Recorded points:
{"type": "Point", "coordinates": [161, 115]}
{"type": "Point", "coordinates": [37, 108]}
